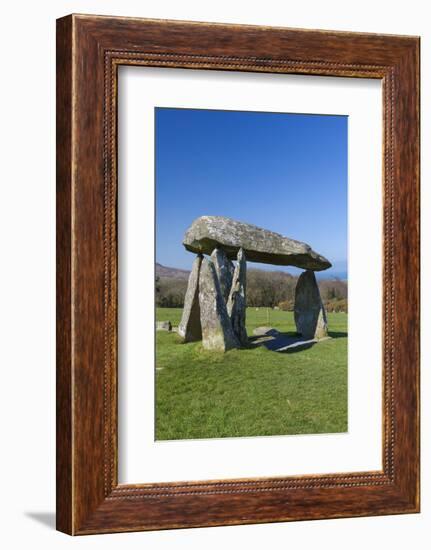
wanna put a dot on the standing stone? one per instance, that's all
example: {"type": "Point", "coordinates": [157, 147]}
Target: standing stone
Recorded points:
{"type": "Point", "coordinates": [224, 269]}
{"type": "Point", "coordinates": [236, 304]}
{"type": "Point", "coordinates": [190, 326]}
{"type": "Point", "coordinates": [217, 332]}
{"type": "Point", "coordinates": [310, 315]}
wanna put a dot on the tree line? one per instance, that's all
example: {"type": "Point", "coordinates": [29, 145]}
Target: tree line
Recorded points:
{"type": "Point", "coordinates": [274, 289]}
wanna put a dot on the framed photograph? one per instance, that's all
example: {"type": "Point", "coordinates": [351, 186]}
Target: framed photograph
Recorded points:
{"type": "Point", "coordinates": [237, 274]}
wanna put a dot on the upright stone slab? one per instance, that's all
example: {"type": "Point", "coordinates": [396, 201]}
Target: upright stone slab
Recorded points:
{"type": "Point", "coordinates": [310, 315]}
{"type": "Point", "coordinates": [224, 269]}
{"type": "Point", "coordinates": [190, 326]}
{"type": "Point", "coordinates": [236, 303]}
{"type": "Point", "coordinates": [217, 332]}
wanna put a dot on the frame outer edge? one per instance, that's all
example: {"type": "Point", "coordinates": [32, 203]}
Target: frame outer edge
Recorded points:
{"type": "Point", "coordinates": [407, 281]}
{"type": "Point", "coordinates": [81, 506]}
{"type": "Point", "coordinates": [64, 367]}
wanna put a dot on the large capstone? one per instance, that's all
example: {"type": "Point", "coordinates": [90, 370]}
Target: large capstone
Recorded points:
{"type": "Point", "coordinates": [309, 312]}
{"type": "Point", "coordinates": [260, 245]}
{"type": "Point", "coordinates": [217, 332]}
{"type": "Point", "coordinates": [236, 304]}
{"type": "Point", "coordinates": [190, 326]}
{"type": "Point", "coordinates": [224, 269]}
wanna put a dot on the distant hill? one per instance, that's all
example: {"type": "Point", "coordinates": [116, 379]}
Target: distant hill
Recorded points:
{"type": "Point", "coordinates": [171, 272]}
{"type": "Point", "coordinates": [275, 273]}
{"type": "Point", "coordinates": [175, 273]}
{"type": "Point", "coordinates": [331, 275]}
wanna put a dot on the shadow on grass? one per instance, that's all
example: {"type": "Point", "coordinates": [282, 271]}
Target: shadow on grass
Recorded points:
{"type": "Point", "coordinates": [288, 342]}
{"type": "Point", "coordinates": [272, 334]}
{"type": "Point", "coordinates": [333, 334]}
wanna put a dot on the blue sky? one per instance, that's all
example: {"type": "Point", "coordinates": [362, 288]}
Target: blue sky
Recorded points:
{"type": "Point", "coordinates": [284, 172]}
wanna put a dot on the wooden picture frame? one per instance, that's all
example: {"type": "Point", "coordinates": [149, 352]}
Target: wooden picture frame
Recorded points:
{"type": "Point", "coordinates": [89, 51]}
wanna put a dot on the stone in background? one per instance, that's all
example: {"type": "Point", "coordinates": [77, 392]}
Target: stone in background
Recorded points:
{"type": "Point", "coordinates": [236, 303]}
{"type": "Point", "coordinates": [224, 269]}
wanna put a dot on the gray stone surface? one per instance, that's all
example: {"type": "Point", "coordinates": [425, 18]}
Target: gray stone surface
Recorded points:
{"type": "Point", "coordinates": [260, 245]}
{"type": "Point", "coordinates": [236, 303]}
{"type": "Point", "coordinates": [309, 312]}
{"type": "Point", "coordinates": [265, 331]}
{"type": "Point", "coordinates": [164, 325]}
{"type": "Point", "coordinates": [224, 269]}
{"type": "Point", "coordinates": [217, 332]}
{"type": "Point", "coordinates": [190, 326]}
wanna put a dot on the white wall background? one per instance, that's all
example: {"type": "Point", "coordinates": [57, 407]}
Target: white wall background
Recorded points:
{"type": "Point", "coordinates": [27, 307]}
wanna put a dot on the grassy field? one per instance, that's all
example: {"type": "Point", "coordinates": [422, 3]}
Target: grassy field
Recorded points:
{"type": "Point", "coordinates": [249, 392]}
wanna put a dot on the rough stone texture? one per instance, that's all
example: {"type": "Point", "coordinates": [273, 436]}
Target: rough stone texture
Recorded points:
{"type": "Point", "coordinates": [236, 303]}
{"type": "Point", "coordinates": [265, 331]}
{"type": "Point", "coordinates": [224, 269]}
{"type": "Point", "coordinates": [309, 312]}
{"type": "Point", "coordinates": [164, 325]}
{"type": "Point", "coordinates": [260, 245]}
{"type": "Point", "coordinates": [217, 332]}
{"type": "Point", "coordinates": [190, 326]}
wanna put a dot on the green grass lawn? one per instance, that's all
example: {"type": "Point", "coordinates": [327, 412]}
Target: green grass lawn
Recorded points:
{"type": "Point", "coordinates": [250, 392]}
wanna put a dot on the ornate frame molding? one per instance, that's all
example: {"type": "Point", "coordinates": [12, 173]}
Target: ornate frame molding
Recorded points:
{"type": "Point", "coordinates": [90, 49]}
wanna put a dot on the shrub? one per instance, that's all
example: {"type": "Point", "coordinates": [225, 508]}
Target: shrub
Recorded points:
{"type": "Point", "coordinates": [286, 305]}
{"type": "Point", "coordinates": [335, 306]}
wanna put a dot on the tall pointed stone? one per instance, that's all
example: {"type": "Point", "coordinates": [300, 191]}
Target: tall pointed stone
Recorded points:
{"type": "Point", "coordinates": [236, 303]}
{"type": "Point", "coordinates": [309, 312]}
{"type": "Point", "coordinates": [217, 332]}
{"type": "Point", "coordinates": [190, 326]}
{"type": "Point", "coordinates": [224, 269]}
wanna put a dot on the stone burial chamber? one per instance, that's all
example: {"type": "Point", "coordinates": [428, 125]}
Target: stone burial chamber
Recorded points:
{"type": "Point", "coordinates": [215, 302]}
